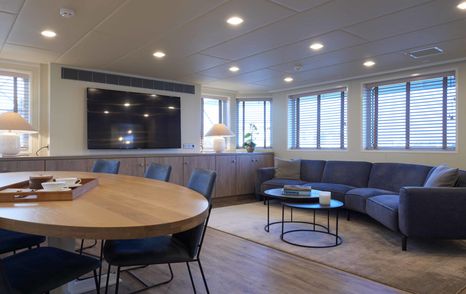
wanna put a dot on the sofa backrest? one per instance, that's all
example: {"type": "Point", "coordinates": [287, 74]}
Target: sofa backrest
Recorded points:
{"type": "Point", "coordinates": [311, 170]}
{"type": "Point", "coordinates": [393, 176]}
{"type": "Point", "coordinates": [462, 179]}
{"type": "Point", "coordinates": [352, 173]}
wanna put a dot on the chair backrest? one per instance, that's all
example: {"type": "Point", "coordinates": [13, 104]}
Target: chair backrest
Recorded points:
{"type": "Point", "coordinates": [5, 286]}
{"type": "Point", "coordinates": [106, 166]}
{"type": "Point", "coordinates": [201, 181]}
{"type": "Point", "coordinates": [158, 171]}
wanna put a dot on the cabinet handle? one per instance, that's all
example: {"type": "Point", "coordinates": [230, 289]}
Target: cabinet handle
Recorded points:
{"type": "Point", "coordinates": [185, 162]}
{"type": "Point", "coordinates": [233, 161]}
{"type": "Point", "coordinates": [252, 160]}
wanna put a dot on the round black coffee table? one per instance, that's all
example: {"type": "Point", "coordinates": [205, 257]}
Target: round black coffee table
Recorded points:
{"type": "Point", "coordinates": [334, 205]}
{"type": "Point", "coordinates": [277, 194]}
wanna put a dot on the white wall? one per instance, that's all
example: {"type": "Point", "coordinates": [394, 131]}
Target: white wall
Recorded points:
{"type": "Point", "coordinates": [355, 150]}
{"type": "Point", "coordinates": [68, 123]}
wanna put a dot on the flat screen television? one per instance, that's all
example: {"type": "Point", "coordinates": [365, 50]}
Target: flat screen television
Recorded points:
{"type": "Point", "coordinates": [126, 120]}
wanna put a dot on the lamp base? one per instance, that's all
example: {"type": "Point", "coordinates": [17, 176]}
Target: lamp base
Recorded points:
{"type": "Point", "coordinates": [9, 144]}
{"type": "Point", "coordinates": [218, 144]}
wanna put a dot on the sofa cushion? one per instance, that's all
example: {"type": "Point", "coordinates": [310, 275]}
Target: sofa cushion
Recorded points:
{"type": "Point", "coordinates": [442, 176]}
{"type": "Point", "coordinates": [384, 209]}
{"type": "Point", "coordinates": [288, 169]}
{"type": "Point", "coordinates": [355, 199]}
{"type": "Point", "coordinates": [311, 170]}
{"type": "Point", "coordinates": [279, 183]}
{"type": "Point", "coordinates": [352, 173]}
{"type": "Point", "coordinates": [338, 190]}
{"type": "Point", "coordinates": [393, 176]}
{"type": "Point", "coordinates": [461, 182]}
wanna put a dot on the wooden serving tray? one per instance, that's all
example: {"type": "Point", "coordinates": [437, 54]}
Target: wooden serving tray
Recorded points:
{"type": "Point", "coordinates": [20, 192]}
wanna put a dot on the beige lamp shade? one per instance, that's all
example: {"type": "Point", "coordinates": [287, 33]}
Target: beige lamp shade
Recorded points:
{"type": "Point", "coordinates": [13, 122]}
{"type": "Point", "coordinates": [219, 130]}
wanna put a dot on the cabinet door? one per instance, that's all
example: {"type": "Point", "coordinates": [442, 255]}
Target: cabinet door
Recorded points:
{"type": "Point", "coordinates": [264, 160]}
{"type": "Point", "coordinates": [225, 167]}
{"type": "Point", "coordinates": [192, 162]}
{"type": "Point", "coordinates": [176, 162]}
{"type": "Point", "coordinates": [21, 165]}
{"type": "Point", "coordinates": [67, 165]}
{"type": "Point", "coordinates": [245, 174]}
{"type": "Point", "coordinates": [130, 166]}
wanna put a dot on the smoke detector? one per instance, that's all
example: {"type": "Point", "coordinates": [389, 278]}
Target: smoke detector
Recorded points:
{"type": "Point", "coordinates": [66, 12]}
{"type": "Point", "coordinates": [298, 67]}
{"type": "Point", "coordinates": [425, 52]}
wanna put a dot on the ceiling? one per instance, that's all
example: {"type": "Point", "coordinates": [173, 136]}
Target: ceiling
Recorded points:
{"type": "Point", "coordinates": [121, 36]}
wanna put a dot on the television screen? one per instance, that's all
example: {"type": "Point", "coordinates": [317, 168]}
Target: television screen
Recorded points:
{"type": "Point", "coordinates": [126, 120]}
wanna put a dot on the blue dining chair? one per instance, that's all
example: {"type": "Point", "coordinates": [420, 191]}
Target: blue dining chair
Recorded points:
{"type": "Point", "coordinates": [106, 166]}
{"type": "Point", "coordinates": [43, 269]}
{"type": "Point", "coordinates": [11, 241]}
{"type": "Point", "coordinates": [184, 247]}
{"type": "Point", "coordinates": [158, 171]}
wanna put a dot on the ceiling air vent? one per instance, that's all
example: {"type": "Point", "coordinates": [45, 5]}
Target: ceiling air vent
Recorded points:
{"type": "Point", "coordinates": [425, 52]}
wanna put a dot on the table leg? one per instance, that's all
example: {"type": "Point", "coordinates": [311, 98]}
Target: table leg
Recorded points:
{"type": "Point", "coordinates": [336, 229]}
{"type": "Point", "coordinates": [291, 218]}
{"type": "Point", "coordinates": [328, 220]}
{"type": "Point", "coordinates": [283, 220]}
{"type": "Point", "coordinates": [314, 220]}
{"type": "Point", "coordinates": [76, 286]}
{"type": "Point", "coordinates": [268, 214]}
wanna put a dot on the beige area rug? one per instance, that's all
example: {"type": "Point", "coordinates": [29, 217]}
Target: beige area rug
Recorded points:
{"type": "Point", "coordinates": [368, 250]}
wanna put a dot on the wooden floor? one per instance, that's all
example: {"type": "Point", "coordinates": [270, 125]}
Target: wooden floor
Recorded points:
{"type": "Point", "coordinates": [236, 265]}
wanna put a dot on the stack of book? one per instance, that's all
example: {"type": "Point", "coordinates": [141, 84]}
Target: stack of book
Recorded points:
{"type": "Point", "coordinates": [298, 190]}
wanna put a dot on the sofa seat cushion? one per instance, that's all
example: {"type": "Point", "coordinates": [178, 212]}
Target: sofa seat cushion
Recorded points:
{"type": "Point", "coordinates": [338, 190]}
{"type": "Point", "coordinates": [279, 183]}
{"type": "Point", "coordinates": [356, 199]}
{"type": "Point", "coordinates": [384, 209]}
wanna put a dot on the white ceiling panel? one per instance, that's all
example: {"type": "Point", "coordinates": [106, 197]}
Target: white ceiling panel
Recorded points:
{"type": "Point", "coordinates": [29, 54]}
{"type": "Point", "coordinates": [419, 17]}
{"type": "Point", "coordinates": [12, 6]}
{"type": "Point", "coordinates": [300, 5]}
{"type": "Point", "coordinates": [211, 29]}
{"type": "Point", "coordinates": [258, 75]}
{"type": "Point", "coordinates": [323, 19]}
{"type": "Point", "coordinates": [35, 17]}
{"type": "Point", "coordinates": [6, 22]}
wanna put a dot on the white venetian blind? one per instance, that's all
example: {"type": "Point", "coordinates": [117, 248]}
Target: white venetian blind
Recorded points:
{"type": "Point", "coordinates": [318, 120]}
{"type": "Point", "coordinates": [412, 113]}
{"type": "Point", "coordinates": [254, 112]}
{"type": "Point", "coordinates": [14, 96]}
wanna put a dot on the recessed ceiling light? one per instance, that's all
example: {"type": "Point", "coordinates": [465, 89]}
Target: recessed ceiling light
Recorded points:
{"type": "Point", "coordinates": [316, 46]}
{"type": "Point", "coordinates": [171, 107]}
{"type": "Point", "coordinates": [462, 5]}
{"type": "Point", "coordinates": [128, 142]}
{"type": "Point", "coordinates": [127, 104]}
{"type": "Point", "coordinates": [120, 139]}
{"type": "Point", "coordinates": [153, 95]}
{"type": "Point", "coordinates": [288, 79]}
{"type": "Point", "coordinates": [146, 115]}
{"type": "Point", "coordinates": [159, 54]}
{"type": "Point", "coordinates": [106, 111]}
{"type": "Point", "coordinates": [369, 63]}
{"type": "Point", "coordinates": [130, 131]}
{"type": "Point", "coordinates": [235, 20]}
{"type": "Point", "coordinates": [234, 69]}
{"type": "Point", "coordinates": [48, 34]}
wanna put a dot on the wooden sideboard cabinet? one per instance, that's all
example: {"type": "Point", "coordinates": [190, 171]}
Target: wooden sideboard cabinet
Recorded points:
{"type": "Point", "coordinates": [246, 171]}
{"type": "Point", "coordinates": [67, 165]}
{"type": "Point", "coordinates": [192, 162]}
{"type": "Point", "coordinates": [21, 165]}
{"type": "Point", "coordinates": [225, 166]}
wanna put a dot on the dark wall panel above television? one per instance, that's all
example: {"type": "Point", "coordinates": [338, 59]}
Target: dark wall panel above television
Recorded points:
{"type": "Point", "coordinates": [124, 80]}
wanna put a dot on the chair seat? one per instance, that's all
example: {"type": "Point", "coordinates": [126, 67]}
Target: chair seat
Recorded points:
{"type": "Point", "coordinates": [157, 250]}
{"type": "Point", "coordinates": [356, 199]}
{"type": "Point", "coordinates": [384, 209]}
{"type": "Point", "coordinates": [46, 268]}
{"type": "Point", "coordinates": [10, 240]}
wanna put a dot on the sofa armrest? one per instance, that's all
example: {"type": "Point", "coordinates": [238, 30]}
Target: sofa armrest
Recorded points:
{"type": "Point", "coordinates": [262, 175]}
{"type": "Point", "coordinates": [433, 212]}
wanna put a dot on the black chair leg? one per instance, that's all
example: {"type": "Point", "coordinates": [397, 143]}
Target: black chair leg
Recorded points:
{"type": "Point", "coordinates": [97, 282]}
{"type": "Point", "coordinates": [81, 247]}
{"type": "Point", "coordinates": [203, 276]}
{"type": "Point", "coordinates": [101, 259]}
{"type": "Point", "coordinates": [404, 243]}
{"type": "Point", "coordinates": [108, 278]}
{"type": "Point", "coordinates": [348, 215]}
{"type": "Point", "coordinates": [191, 277]}
{"type": "Point", "coordinates": [117, 280]}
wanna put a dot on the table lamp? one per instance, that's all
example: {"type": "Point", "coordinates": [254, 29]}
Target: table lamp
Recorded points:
{"type": "Point", "coordinates": [219, 132]}
{"type": "Point", "coordinates": [11, 126]}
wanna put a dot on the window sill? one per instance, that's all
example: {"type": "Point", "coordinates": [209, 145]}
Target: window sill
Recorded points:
{"type": "Point", "coordinates": [318, 150]}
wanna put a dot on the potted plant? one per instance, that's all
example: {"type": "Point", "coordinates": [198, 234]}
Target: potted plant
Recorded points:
{"type": "Point", "coordinates": [249, 138]}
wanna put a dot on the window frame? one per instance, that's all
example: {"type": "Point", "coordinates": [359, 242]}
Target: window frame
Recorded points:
{"type": "Point", "coordinates": [265, 100]}
{"type": "Point", "coordinates": [293, 137]}
{"type": "Point", "coordinates": [408, 79]}
{"type": "Point", "coordinates": [223, 114]}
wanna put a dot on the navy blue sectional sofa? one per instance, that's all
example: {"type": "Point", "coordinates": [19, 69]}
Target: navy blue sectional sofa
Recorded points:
{"type": "Point", "coordinates": [391, 193]}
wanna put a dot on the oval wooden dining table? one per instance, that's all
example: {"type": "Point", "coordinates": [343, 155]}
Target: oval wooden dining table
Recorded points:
{"type": "Point", "coordinates": [120, 207]}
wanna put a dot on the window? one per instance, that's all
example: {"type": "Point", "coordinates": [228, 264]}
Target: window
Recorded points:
{"type": "Point", "coordinates": [317, 120]}
{"type": "Point", "coordinates": [254, 117]}
{"type": "Point", "coordinates": [412, 113]}
{"type": "Point", "coordinates": [214, 111]}
{"type": "Point", "coordinates": [14, 96]}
